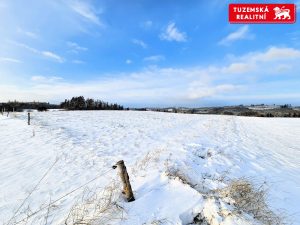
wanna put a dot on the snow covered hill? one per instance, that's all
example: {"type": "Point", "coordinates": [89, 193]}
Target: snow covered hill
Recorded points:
{"type": "Point", "coordinates": [179, 165]}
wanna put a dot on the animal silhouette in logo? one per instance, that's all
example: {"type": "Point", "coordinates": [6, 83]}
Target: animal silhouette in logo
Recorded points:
{"type": "Point", "coordinates": [282, 13]}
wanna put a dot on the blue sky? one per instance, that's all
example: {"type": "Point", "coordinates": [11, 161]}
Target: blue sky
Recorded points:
{"type": "Point", "coordinates": [144, 53]}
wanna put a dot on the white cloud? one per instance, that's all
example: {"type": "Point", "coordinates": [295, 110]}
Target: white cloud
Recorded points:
{"type": "Point", "coordinates": [155, 85]}
{"type": "Point", "coordinates": [76, 47]}
{"type": "Point", "coordinates": [44, 79]}
{"type": "Point", "coordinates": [10, 60]}
{"type": "Point", "coordinates": [198, 91]}
{"type": "Point", "coordinates": [25, 47]}
{"type": "Point", "coordinates": [128, 61]}
{"type": "Point", "coordinates": [263, 61]}
{"type": "Point", "coordinates": [31, 34]}
{"type": "Point", "coordinates": [27, 33]}
{"type": "Point", "coordinates": [152, 86]}
{"type": "Point", "coordinates": [171, 33]}
{"type": "Point", "coordinates": [243, 33]}
{"type": "Point", "coordinates": [140, 43]}
{"type": "Point", "coordinates": [38, 78]}
{"type": "Point", "coordinates": [85, 10]}
{"type": "Point", "coordinates": [274, 60]}
{"type": "Point", "coordinates": [236, 68]}
{"type": "Point", "coordinates": [273, 54]}
{"type": "Point", "coordinates": [54, 56]}
{"type": "Point", "coordinates": [154, 58]}
{"type": "Point", "coordinates": [47, 54]}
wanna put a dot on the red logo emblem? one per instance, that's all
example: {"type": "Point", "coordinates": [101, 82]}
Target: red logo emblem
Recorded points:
{"type": "Point", "coordinates": [262, 13]}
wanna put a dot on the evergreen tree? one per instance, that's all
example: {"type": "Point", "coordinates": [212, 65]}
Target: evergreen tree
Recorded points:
{"type": "Point", "coordinates": [79, 103]}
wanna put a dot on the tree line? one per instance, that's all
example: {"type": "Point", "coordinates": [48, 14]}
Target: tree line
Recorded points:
{"type": "Point", "coordinates": [20, 106]}
{"type": "Point", "coordinates": [80, 103]}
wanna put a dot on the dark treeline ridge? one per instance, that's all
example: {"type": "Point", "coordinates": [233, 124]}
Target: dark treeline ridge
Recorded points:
{"type": "Point", "coordinates": [262, 110]}
{"type": "Point", "coordinates": [20, 106]}
{"type": "Point", "coordinates": [80, 103]}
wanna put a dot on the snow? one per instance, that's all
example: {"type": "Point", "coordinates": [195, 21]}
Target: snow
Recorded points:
{"type": "Point", "coordinates": [174, 162]}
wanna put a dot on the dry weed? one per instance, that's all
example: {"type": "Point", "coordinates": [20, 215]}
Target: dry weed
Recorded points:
{"type": "Point", "coordinates": [250, 199]}
{"type": "Point", "coordinates": [97, 207]}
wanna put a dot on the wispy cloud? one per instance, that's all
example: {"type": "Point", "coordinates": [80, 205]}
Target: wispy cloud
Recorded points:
{"type": "Point", "coordinates": [10, 60]}
{"type": "Point", "coordinates": [243, 33]}
{"type": "Point", "coordinates": [27, 47]}
{"type": "Point", "coordinates": [140, 43]}
{"type": "Point", "coordinates": [52, 55]}
{"type": "Point", "coordinates": [172, 33]}
{"type": "Point", "coordinates": [86, 10]}
{"type": "Point", "coordinates": [46, 79]}
{"type": "Point", "coordinates": [147, 24]}
{"type": "Point", "coordinates": [154, 58]}
{"type": "Point", "coordinates": [238, 68]}
{"type": "Point", "coordinates": [47, 54]}
{"type": "Point", "coordinates": [198, 90]}
{"type": "Point", "coordinates": [128, 61]}
{"type": "Point", "coordinates": [75, 48]}
{"type": "Point", "coordinates": [275, 53]}
{"type": "Point", "coordinates": [27, 33]}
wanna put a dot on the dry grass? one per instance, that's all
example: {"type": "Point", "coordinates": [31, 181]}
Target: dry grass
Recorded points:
{"type": "Point", "coordinates": [241, 194]}
{"type": "Point", "coordinates": [97, 207]}
{"type": "Point", "coordinates": [173, 173]}
{"type": "Point", "coordinates": [159, 222]}
{"type": "Point", "coordinates": [150, 159]}
{"type": "Point", "coordinates": [250, 199]}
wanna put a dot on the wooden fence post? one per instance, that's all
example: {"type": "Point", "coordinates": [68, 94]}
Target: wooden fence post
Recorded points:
{"type": "Point", "coordinates": [127, 191]}
{"type": "Point", "coordinates": [29, 118]}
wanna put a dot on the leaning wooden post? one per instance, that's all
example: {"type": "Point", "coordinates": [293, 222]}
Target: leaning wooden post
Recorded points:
{"type": "Point", "coordinates": [29, 118]}
{"type": "Point", "coordinates": [125, 180]}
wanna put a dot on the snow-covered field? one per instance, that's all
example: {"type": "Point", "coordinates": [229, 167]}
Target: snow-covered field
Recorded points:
{"type": "Point", "coordinates": [176, 162]}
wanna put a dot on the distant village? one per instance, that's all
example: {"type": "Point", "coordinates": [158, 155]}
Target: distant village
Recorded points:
{"type": "Point", "coordinates": [260, 110]}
